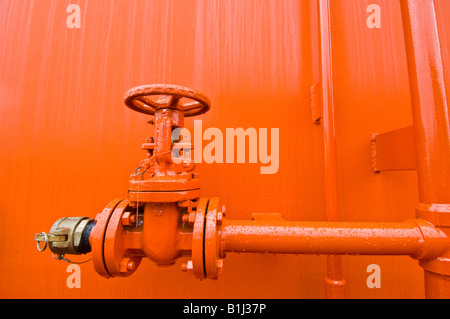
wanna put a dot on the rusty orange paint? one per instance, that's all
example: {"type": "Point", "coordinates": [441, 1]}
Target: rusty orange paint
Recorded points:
{"type": "Point", "coordinates": [70, 145]}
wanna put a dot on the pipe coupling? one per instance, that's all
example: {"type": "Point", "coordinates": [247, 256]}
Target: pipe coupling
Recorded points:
{"type": "Point", "coordinates": [68, 235]}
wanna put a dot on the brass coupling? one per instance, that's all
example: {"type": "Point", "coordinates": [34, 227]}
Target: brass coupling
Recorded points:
{"type": "Point", "coordinates": [68, 235]}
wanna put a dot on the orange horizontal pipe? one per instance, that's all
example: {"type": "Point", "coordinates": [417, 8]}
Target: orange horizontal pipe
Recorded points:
{"type": "Point", "coordinates": [416, 238]}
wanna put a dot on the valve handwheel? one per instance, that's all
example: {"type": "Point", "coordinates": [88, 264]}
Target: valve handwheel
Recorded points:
{"type": "Point", "coordinates": [148, 99]}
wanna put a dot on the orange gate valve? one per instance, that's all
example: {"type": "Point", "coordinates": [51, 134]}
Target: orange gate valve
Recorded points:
{"type": "Point", "coordinates": [158, 217]}
{"type": "Point", "coordinates": [164, 217]}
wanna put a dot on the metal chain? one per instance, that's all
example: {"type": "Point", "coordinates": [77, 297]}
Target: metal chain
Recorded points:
{"type": "Point", "coordinates": [61, 257]}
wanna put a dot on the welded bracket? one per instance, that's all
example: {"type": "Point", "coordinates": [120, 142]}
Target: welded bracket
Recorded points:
{"type": "Point", "coordinates": [394, 150]}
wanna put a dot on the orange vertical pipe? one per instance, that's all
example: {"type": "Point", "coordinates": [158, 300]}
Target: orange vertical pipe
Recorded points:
{"type": "Point", "coordinates": [431, 127]}
{"type": "Point", "coordinates": [334, 282]}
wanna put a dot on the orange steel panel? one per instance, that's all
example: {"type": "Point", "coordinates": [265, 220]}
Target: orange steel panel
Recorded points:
{"type": "Point", "coordinates": [69, 145]}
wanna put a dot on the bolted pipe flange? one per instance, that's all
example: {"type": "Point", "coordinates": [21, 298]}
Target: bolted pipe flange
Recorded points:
{"type": "Point", "coordinates": [118, 260]}
{"type": "Point", "coordinates": [198, 239]}
{"type": "Point", "coordinates": [213, 263]}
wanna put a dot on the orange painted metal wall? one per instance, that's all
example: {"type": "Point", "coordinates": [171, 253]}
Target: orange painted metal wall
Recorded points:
{"type": "Point", "coordinates": [68, 143]}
